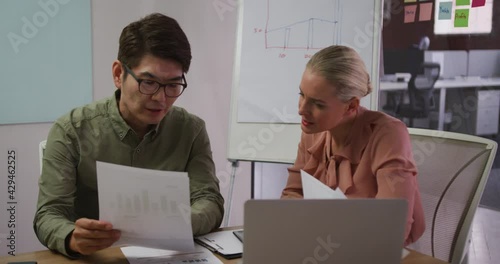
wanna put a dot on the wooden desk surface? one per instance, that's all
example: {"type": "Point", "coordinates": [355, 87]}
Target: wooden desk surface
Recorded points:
{"type": "Point", "coordinates": [114, 255]}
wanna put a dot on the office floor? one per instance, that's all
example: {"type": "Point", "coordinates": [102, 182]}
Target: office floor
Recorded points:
{"type": "Point", "coordinates": [491, 194]}
{"type": "Point", "coordinates": [485, 237]}
{"type": "Point", "coordinates": [486, 225]}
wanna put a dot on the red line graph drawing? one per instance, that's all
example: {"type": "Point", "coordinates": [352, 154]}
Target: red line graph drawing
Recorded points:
{"type": "Point", "coordinates": [308, 34]}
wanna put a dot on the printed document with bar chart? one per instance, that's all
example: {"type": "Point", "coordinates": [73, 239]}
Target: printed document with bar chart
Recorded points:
{"type": "Point", "coordinates": [150, 207]}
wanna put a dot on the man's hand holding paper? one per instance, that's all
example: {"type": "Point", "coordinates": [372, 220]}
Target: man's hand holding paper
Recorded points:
{"type": "Point", "coordinates": [151, 208]}
{"type": "Point", "coordinates": [91, 235]}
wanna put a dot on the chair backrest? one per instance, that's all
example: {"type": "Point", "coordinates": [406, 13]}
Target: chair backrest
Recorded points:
{"type": "Point", "coordinates": [41, 149]}
{"type": "Point", "coordinates": [452, 172]}
{"type": "Point", "coordinates": [421, 87]}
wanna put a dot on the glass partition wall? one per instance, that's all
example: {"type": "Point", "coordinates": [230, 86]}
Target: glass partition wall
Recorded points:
{"type": "Point", "coordinates": [463, 38]}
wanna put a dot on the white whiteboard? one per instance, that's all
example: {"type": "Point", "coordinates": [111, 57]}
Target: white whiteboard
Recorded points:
{"type": "Point", "coordinates": [275, 39]}
{"type": "Point", "coordinates": [476, 19]}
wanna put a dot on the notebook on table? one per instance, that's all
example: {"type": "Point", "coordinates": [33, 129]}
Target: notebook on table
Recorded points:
{"type": "Point", "coordinates": [224, 243]}
{"type": "Point", "coordinates": [324, 231]}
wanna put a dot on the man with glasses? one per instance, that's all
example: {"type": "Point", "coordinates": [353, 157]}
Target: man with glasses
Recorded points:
{"type": "Point", "coordinates": [138, 126]}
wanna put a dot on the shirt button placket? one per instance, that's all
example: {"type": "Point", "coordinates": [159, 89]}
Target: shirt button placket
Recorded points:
{"type": "Point", "coordinates": [135, 156]}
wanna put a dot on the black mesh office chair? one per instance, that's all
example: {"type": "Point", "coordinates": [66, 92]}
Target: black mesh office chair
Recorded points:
{"type": "Point", "coordinates": [420, 93]}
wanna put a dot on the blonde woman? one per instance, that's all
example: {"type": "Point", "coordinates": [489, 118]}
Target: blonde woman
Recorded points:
{"type": "Point", "coordinates": [367, 154]}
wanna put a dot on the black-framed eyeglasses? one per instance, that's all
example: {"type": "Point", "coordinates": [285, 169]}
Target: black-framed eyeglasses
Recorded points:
{"type": "Point", "coordinates": [150, 87]}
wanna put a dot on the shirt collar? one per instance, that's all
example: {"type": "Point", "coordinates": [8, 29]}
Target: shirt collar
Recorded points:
{"type": "Point", "coordinates": [119, 124]}
{"type": "Point", "coordinates": [355, 142]}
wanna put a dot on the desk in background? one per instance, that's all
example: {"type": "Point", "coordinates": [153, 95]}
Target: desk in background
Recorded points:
{"type": "Point", "coordinates": [488, 101]}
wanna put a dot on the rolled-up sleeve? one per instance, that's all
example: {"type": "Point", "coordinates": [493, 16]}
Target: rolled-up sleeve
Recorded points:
{"type": "Point", "coordinates": [396, 173]}
{"type": "Point", "coordinates": [207, 203]}
{"type": "Point", "coordinates": [55, 215]}
{"type": "Point", "coordinates": [293, 188]}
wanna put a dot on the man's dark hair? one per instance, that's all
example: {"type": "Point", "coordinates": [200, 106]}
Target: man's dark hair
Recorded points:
{"type": "Point", "coordinates": [157, 35]}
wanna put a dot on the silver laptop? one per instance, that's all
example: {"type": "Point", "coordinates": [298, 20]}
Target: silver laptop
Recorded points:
{"type": "Point", "coordinates": [324, 231]}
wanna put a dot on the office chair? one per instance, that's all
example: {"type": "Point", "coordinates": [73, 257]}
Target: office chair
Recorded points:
{"type": "Point", "coordinates": [393, 99]}
{"type": "Point", "coordinates": [453, 170]}
{"type": "Point", "coordinates": [420, 93]}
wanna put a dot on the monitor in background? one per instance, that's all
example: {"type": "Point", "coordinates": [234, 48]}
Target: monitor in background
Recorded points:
{"type": "Point", "coordinates": [402, 60]}
{"type": "Point", "coordinates": [484, 63]}
{"type": "Point", "coordinates": [453, 62]}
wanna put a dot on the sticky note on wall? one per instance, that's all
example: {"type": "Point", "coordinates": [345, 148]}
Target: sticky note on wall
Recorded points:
{"type": "Point", "coordinates": [410, 11]}
{"type": "Point", "coordinates": [478, 3]}
{"type": "Point", "coordinates": [463, 2]}
{"type": "Point", "coordinates": [425, 12]}
{"type": "Point", "coordinates": [461, 17]}
{"type": "Point", "coordinates": [445, 10]}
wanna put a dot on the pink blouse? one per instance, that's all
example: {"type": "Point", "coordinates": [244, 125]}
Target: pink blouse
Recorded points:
{"type": "Point", "coordinates": [375, 162]}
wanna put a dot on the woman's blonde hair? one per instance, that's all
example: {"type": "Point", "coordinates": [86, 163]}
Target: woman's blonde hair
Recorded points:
{"type": "Point", "coordinates": [343, 67]}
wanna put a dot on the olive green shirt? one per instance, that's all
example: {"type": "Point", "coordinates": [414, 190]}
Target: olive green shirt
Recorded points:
{"type": "Point", "coordinates": [97, 132]}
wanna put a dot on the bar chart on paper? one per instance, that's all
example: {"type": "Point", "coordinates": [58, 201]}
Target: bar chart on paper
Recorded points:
{"type": "Point", "coordinates": [137, 209]}
{"type": "Point", "coordinates": [141, 203]}
{"type": "Point", "coordinates": [145, 200]}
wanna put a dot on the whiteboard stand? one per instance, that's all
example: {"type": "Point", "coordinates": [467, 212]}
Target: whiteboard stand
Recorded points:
{"type": "Point", "coordinates": [252, 179]}
{"type": "Point", "coordinates": [227, 212]}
